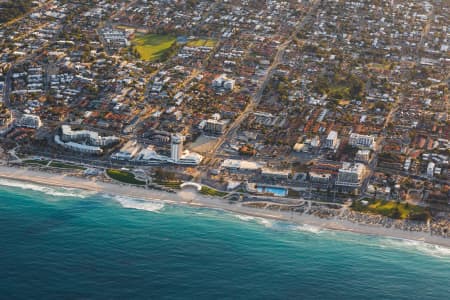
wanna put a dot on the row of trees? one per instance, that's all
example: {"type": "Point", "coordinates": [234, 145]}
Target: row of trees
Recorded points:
{"type": "Point", "coordinates": [12, 9]}
{"type": "Point", "coordinates": [340, 87]}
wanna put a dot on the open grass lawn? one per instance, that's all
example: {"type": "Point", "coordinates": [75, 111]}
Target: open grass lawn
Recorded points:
{"type": "Point", "coordinates": [36, 162]}
{"type": "Point", "coordinates": [54, 164]}
{"type": "Point", "coordinates": [201, 43]}
{"type": "Point", "coordinates": [169, 184]}
{"type": "Point", "coordinates": [61, 165]}
{"type": "Point", "coordinates": [293, 193]}
{"type": "Point", "coordinates": [124, 176]}
{"type": "Point", "coordinates": [152, 46]}
{"type": "Point", "coordinates": [393, 209]}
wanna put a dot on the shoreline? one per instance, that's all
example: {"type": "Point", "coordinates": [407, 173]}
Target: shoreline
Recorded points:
{"type": "Point", "coordinates": [191, 198]}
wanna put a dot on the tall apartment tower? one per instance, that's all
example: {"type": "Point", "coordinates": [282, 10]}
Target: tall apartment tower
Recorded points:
{"type": "Point", "coordinates": [176, 149]}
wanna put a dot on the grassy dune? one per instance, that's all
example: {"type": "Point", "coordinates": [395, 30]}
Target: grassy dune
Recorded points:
{"type": "Point", "coordinates": [393, 209]}
{"type": "Point", "coordinates": [124, 176]}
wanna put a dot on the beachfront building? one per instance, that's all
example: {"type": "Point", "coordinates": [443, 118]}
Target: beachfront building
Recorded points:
{"type": "Point", "coordinates": [190, 159]}
{"type": "Point", "coordinates": [241, 166]}
{"type": "Point", "coordinates": [180, 156]}
{"type": "Point", "coordinates": [78, 147]}
{"type": "Point", "coordinates": [128, 151]}
{"type": "Point", "coordinates": [149, 156]}
{"type": "Point", "coordinates": [176, 147]}
{"type": "Point", "coordinates": [84, 141]}
{"type": "Point", "coordinates": [350, 177]}
{"type": "Point", "coordinates": [320, 180]}
{"type": "Point", "coordinates": [275, 174]}
{"type": "Point", "coordinates": [88, 136]}
{"type": "Point", "coordinates": [362, 141]}
{"type": "Point", "coordinates": [132, 151]}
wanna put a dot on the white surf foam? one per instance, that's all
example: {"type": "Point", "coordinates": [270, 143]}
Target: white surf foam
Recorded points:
{"type": "Point", "coordinates": [244, 217]}
{"type": "Point", "coordinates": [52, 191]}
{"type": "Point", "coordinates": [262, 221]}
{"type": "Point", "coordinates": [133, 203]}
{"type": "Point", "coordinates": [417, 246]}
{"type": "Point", "coordinates": [279, 225]}
{"type": "Point", "coordinates": [266, 222]}
{"type": "Point", "coordinates": [386, 242]}
{"type": "Point", "coordinates": [308, 228]}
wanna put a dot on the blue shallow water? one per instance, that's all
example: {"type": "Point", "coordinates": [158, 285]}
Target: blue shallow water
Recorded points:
{"type": "Point", "coordinates": [98, 247]}
{"type": "Point", "coordinates": [280, 192]}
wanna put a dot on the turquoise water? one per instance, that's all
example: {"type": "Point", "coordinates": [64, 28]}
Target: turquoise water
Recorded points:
{"type": "Point", "coordinates": [280, 192]}
{"type": "Point", "coordinates": [67, 244]}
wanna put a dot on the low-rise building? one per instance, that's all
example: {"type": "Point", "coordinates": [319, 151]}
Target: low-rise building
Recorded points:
{"type": "Point", "coordinates": [362, 141]}
{"type": "Point", "coordinates": [235, 165]}
{"type": "Point", "coordinates": [224, 82]}
{"type": "Point", "coordinates": [362, 155]}
{"type": "Point", "coordinates": [29, 121]}
{"type": "Point", "coordinates": [190, 159]}
{"type": "Point", "coordinates": [128, 151]}
{"type": "Point", "coordinates": [331, 140]}
{"type": "Point", "coordinates": [276, 174]}
{"type": "Point", "coordinates": [215, 126]}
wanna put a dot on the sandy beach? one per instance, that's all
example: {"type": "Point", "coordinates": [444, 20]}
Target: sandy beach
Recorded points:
{"type": "Point", "coordinates": [192, 198]}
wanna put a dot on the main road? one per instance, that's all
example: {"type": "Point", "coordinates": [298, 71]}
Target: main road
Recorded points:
{"type": "Point", "coordinates": [256, 99]}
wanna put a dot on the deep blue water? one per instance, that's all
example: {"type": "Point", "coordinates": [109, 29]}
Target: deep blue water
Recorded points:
{"type": "Point", "coordinates": [60, 244]}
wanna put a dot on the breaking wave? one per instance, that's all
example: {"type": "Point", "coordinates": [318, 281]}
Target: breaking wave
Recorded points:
{"type": "Point", "coordinates": [133, 203]}
{"type": "Point", "coordinates": [52, 191]}
{"type": "Point", "coordinates": [416, 246]}
{"type": "Point", "coordinates": [279, 225]}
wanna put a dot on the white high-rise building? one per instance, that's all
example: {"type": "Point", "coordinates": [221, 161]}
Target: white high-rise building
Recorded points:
{"type": "Point", "coordinates": [176, 149]}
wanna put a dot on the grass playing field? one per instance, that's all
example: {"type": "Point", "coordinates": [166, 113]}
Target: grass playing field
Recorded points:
{"type": "Point", "coordinates": [152, 46]}
{"type": "Point", "coordinates": [201, 43]}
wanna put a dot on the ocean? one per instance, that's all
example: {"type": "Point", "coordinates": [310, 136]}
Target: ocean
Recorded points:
{"type": "Point", "coordinates": [60, 243]}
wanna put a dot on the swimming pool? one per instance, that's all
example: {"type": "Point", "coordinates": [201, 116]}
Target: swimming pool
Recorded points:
{"type": "Point", "coordinates": [280, 192]}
